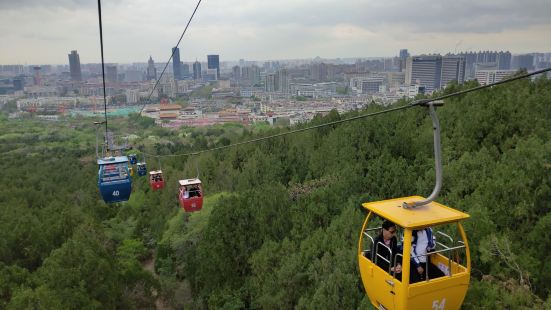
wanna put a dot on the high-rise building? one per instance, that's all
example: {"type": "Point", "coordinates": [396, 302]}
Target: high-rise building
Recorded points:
{"type": "Point", "coordinates": [504, 60]}
{"type": "Point", "coordinates": [213, 62]}
{"type": "Point", "coordinates": [251, 75]}
{"type": "Point", "coordinates": [185, 70]}
{"type": "Point", "coordinates": [425, 71]}
{"type": "Point", "coordinates": [245, 73]}
{"type": "Point", "coordinates": [403, 58]}
{"type": "Point", "coordinates": [283, 81]}
{"type": "Point", "coordinates": [404, 54]}
{"type": "Point", "coordinates": [176, 66]}
{"type": "Point", "coordinates": [236, 70]}
{"type": "Point", "coordinates": [255, 75]}
{"type": "Point", "coordinates": [37, 78]}
{"type": "Point", "coordinates": [523, 62]}
{"type": "Point", "coordinates": [453, 69]}
{"type": "Point", "coordinates": [111, 73]}
{"type": "Point", "coordinates": [151, 70]}
{"type": "Point", "coordinates": [197, 70]}
{"type": "Point", "coordinates": [74, 66]}
{"type": "Point", "coordinates": [18, 84]}
{"type": "Point", "coordinates": [500, 60]}
{"type": "Point", "coordinates": [271, 82]}
{"type": "Point", "coordinates": [319, 72]}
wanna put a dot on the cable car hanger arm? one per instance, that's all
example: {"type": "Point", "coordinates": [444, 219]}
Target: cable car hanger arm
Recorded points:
{"type": "Point", "coordinates": [437, 157]}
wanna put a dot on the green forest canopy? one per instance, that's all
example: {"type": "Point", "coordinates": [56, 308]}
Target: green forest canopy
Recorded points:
{"type": "Point", "coordinates": [281, 220]}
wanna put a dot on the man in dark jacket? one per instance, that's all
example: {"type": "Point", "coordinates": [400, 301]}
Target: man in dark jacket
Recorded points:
{"type": "Point", "coordinates": [385, 249]}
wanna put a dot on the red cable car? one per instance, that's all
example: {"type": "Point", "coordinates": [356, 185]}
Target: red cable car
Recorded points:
{"type": "Point", "coordinates": [190, 195]}
{"type": "Point", "coordinates": [156, 180]}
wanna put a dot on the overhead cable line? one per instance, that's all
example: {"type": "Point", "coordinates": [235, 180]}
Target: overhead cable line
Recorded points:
{"type": "Point", "coordinates": [171, 55]}
{"type": "Point", "coordinates": [411, 105]}
{"type": "Point", "coordinates": [288, 132]}
{"type": "Point", "coordinates": [102, 69]}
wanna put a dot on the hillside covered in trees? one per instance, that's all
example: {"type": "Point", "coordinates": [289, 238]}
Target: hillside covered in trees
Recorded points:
{"type": "Point", "coordinates": [282, 218]}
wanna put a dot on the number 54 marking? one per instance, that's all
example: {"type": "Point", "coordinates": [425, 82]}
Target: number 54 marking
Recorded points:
{"type": "Point", "coordinates": [439, 305]}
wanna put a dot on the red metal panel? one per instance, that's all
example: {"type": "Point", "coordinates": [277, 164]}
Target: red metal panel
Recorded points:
{"type": "Point", "coordinates": [192, 203]}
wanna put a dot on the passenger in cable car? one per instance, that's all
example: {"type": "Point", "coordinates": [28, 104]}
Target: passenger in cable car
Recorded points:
{"type": "Point", "coordinates": [423, 242]}
{"type": "Point", "coordinates": [186, 193]}
{"type": "Point", "coordinates": [385, 248]}
{"type": "Point", "coordinates": [195, 192]}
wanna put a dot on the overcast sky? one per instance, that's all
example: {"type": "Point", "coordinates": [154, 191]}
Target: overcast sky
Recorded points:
{"type": "Point", "coordinates": [45, 31]}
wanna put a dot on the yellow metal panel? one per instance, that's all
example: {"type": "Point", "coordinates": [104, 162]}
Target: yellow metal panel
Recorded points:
{"type": "Point", "coordinates": [442, 293]}
{"type": "Point", "coordinates": [452, 266]}
{"type": "Point", "coordinates": [467, 249]}
{"type": "Point", "coordinates": [428, 215]}
{"type": "Point", "coordinates": [381, 288]}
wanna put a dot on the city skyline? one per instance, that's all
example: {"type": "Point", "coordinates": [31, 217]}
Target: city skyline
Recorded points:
{"type": "Point", "coordinates": [255, 30]}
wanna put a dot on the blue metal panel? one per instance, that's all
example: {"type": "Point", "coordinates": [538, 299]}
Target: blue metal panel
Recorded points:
{"type": "Point", "coordinates": [116, 191]}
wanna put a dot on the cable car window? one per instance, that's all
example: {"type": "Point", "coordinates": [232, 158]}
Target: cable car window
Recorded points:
{"type": "Point", "coordinates": [194, 191]}
{"type": "Point", "coordinates": [157, 177]}
{"type": "Point", "coordinates": [382, 244]}
{"type": "Point", "coordinates": [114, 172]}
{"type": "Point", "coordinates": [444, 255]}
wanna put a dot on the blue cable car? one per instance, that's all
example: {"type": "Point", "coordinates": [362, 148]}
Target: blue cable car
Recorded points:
{"type": "Point", "coordinates": [142, 169]}
{"type": "Point", "coordinates": [114, 182]}
{"type": "Point", "coordinates": [133, 159]}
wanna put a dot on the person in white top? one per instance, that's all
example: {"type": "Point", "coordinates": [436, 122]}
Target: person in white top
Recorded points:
{"type": "Point", "coordinates": [186, 193]}
{"type": "Point", "coordinates": [422, 242]}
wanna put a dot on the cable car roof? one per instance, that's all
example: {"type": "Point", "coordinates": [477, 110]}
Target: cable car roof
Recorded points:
{"type": "Point", "coordinates": [112, 160]}
{"type": "Point", "coordinates": [428, 215]}
{"type": "Point", "coordinates": [153, 172]}
{"type": "Point", "coordinates": [189, 182]}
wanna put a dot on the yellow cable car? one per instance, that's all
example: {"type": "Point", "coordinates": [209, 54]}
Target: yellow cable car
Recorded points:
{"type": "Point", "coordinates": [415, 276]}
{"type": "Point", "coordinates": [384, 289]}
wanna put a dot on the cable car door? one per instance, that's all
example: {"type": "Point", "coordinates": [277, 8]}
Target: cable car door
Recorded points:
{"type": "Point", "coordinates": [384, 290]}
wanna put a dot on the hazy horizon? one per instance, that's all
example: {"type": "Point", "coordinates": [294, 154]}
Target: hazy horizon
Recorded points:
{"type": "Point", "coordinates": [344, 59]}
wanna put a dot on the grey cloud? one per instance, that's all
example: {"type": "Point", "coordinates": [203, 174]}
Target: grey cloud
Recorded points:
{"type": "Point", "coordinates": [49, 4]}
{"type": "Point", "coordinates": [419, 16]}
{"type": "Point", "coordinates": [43, 37]}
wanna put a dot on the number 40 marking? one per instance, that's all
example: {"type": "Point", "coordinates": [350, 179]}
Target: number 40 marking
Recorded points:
{"type": "Point", "coordinates": [436, 305]}
{"type": "Point", "coordinates": [115, 193]}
